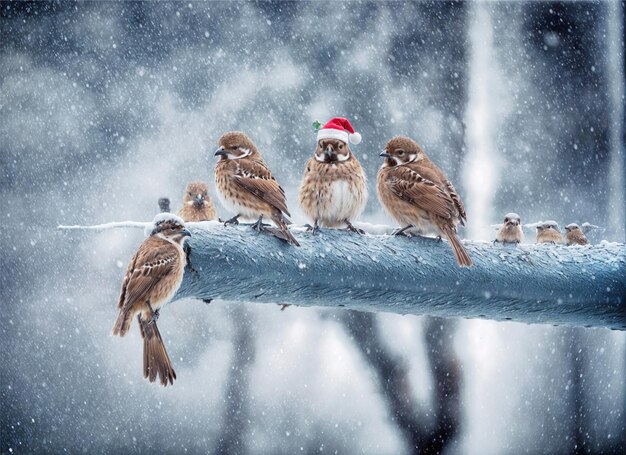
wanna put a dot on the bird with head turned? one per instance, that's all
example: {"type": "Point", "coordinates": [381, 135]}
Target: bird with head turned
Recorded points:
{"type": "Point", "coordinates": [246, 186]}
{"type": "Point", "coordinates": [333, 192]}
{"type": "Point", "coordinates": [511, 229]}
{"type": "Point", "coordinates": [153, 276]}
{"type": "Point", "coordinates": [197, 205]}
{"type": "Point", "coordinates": [418, 195]}
{"type": "Point", "coordinates": [574, 235]}
{"type": "Point", "coordinates": [548, 232]}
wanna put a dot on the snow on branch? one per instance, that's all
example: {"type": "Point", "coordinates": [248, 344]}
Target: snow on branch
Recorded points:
{"type": "Point", "coordinates": [545, 284]}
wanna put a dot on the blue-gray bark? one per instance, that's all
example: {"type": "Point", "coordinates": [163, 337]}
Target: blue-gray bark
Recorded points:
{"type": "Point", "coordinates": [546, 284]}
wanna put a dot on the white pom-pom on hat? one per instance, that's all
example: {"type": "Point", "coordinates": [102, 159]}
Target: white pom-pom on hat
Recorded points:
{"type": "Point", "coordinates": [355, 138]}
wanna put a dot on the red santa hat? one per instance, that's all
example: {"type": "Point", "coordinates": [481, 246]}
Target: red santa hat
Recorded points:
{"type": "Point", "coordinates": [339, 128]}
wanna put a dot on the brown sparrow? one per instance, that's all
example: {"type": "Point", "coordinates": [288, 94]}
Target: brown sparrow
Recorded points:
{"type": "Point", "coordinates": [417, 194]}
{"type": "Point", "coordinates": [197, 205]}
{"type": "Point", "coordinates": [574, 235]}
{"type": "Point", "coordinates": [153, 276]}
{"type": "Point", "coordinates": [247, 187]}
{"type": "Point", "coordinates": [511, 230]}
{"type": "Point", "coordinates": [548, 232]}
{"type": "Point", "coordinates": [334, 189]}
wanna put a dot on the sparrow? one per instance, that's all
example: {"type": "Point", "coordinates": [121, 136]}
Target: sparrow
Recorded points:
{"type": "Point", "coordinates": [247, 187]}
{"type": "Point", "coordinates": [197, 205]}
{"type": "Point", "coordinates": [511, 230]}
{"type": "Point", "coordinates": [417, 194]}
{"type": "Point", "coordinates": [548, 232]}
{"type": "Point", "coordinates": [574, 235]}
{"type": "Point", "coordinates": [153, 276]}
{"type": "Point", "coordinates": [164, 204]}
{"type": "Point", "coordinates": [334, 189]}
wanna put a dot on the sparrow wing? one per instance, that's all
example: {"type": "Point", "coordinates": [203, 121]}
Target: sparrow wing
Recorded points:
{"type": "Point", "coordinates": [411, 187]}
{"type": "Point", "coordinates": [256, 178]}
{"type": "Point", "coordinates": [154, 260]}
{"type": "Point", "coordinates": [457, 201]}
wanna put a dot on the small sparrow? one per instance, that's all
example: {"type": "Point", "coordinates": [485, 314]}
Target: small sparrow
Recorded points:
{"type": "Point", "coordinates": [334, 189]}
{"type": "Point", "coordinates": [417, 194]}
{"type": "Point", "coordinates": [197, 205]}
{"type": "Point", "coordinates": [247, 187]}
{"type": "Point", "coordinates": [548, 232]}
{"type": "Point", "coordinates": [574, 235]}
{"type": "Point", "coordinates": [511, 230]}
{"type": "Point", "coordinates": [153, 276]}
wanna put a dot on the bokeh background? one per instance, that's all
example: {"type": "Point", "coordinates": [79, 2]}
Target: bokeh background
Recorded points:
{"type": "Point", "coordinates": [104, 107]}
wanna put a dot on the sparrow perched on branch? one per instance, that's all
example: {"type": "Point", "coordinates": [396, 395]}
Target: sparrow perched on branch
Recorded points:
{"type": "Point", "coordinates": [574, 235]}
{"type": "Point", "coordinates": [511, 230]}
{"type": "Point", "coordinates": [548, 232]}
{"type": "Point", "coordinates": [247, 187]}
{"type": "Point", "coordinates": [417, 194]}
{"type": "Point", "coordinates": [334, 190]}
{"type": "Point", "coordinates": [153, 276]}
{"type": "Point", "coordinates": [197, 205]}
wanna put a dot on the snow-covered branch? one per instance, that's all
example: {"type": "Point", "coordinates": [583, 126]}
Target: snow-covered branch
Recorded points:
{"type": "Point", "coordinates": [547, 284]}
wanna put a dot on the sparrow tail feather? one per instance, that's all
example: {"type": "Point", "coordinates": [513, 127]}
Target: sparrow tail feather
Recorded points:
{"type": "Point", "coordinates": [460, 253]}
{"type": "Point", "coordinates": [156, 361]}
{"type": "Point", "coordinates": [122, 323]}
{"type": "Point", "coordinates": [282, 225]}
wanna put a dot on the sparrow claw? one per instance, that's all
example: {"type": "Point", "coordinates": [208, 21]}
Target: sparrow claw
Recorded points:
{"type": "Point", "coordinates": [351, 228]}
{"type": "Point", "coordinates": [402, 231]}
{"type": "Point", "coordinates": [207, 301]}
{"type": "Point", "coordinates": [154, 314]}
{"type": "Point", "coordinates": [283, 306]}
{"type": "Point", "coordinates": [234, 220]}
{"type": "Point", "coordinates": [260, 226]}
{"type": "Point", "coordinates": [438, 239]}
{"type": "Point", "coordinates": [313, 229]}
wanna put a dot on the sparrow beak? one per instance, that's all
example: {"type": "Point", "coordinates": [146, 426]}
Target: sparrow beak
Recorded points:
{"type": "Point", "coordinates": [384, 153]}
{"type": "Point", "coordinates": [329, 152]}
{"type": "Point", "coordinates": [185, 233]}
{"type": "Point", "coordinates": [199, 199]}
{"type": "Point", "coordinates": [220, 152]}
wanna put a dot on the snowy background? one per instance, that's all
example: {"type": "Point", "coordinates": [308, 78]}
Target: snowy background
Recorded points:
{"type": "Point", "coordinates": [104, 107]}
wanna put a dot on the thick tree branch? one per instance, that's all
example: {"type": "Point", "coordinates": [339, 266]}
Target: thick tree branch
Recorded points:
{"type": "Point", "coordinates": [548, 284]}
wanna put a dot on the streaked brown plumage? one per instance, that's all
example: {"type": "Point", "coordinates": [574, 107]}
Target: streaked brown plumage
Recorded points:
{"type": "Point", "coordinates": [511, 230]}
{"type": "Point", "coordinates": [548, 232]}
{"type": "Point", "coordinates": [153, 276]}
{"type": "Point", "coordinates": [574, 235]}
{"type": "Point", "coordinates": [197, 205]}
{"type": "Point", "coordinates": [417, 194]}
{"type": "Point", "coordinates": [247, 187]}
{"type": "Point", "coordinates": [334, 190]}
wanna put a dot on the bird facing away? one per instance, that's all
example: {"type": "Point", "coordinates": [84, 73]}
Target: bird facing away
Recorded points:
{"type": "Point", "coordinates": [417, 194]}
{"type": "Point", "coordinates": [153, 276]}
{"type": "Point", "coordinates": [574, 235]}
{"type": "Point", "coordinates": [247, 187]}
{"type": "Point", "coordinates": [548, 232]}
{"type": "Point", "coordinates": [197, 205]}
{"type": "Point", "coordinates": [511, 229]}
{"type": "Point", "coordinates": [334, 189]}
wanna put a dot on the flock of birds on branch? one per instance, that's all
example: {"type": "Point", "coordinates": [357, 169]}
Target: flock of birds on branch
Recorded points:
{"type": "Point", "coordinates": [412, 189]}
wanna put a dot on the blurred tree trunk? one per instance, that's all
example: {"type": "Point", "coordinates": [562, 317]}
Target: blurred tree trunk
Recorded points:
{"type": "Point", "coordinates": [233, 437]}
{"type": "Point", "coordinates": [575, 356]}
{"type": "Point", "coordinates": [424, 435]}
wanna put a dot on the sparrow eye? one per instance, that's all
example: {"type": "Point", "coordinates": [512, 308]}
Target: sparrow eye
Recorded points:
{"type": "Point", "coordinates": [189, 193]}
{"type": "Point", "coordinates": [340, 146]}
{"type": "Point", "coordinates": [400, 152]}
{"type": "Point", "coordinates": [506, 220]}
